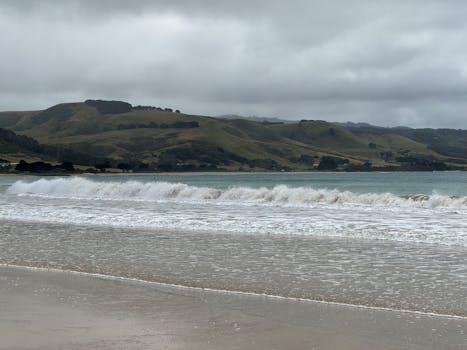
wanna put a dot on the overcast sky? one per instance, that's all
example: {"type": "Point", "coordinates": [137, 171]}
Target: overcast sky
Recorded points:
{"type": "Point", "coordinates": [383, 62]}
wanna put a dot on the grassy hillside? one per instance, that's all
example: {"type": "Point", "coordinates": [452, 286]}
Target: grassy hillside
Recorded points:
{"type": "Point", "coordinates": [450, 144]}
{"type": "Point", "coordinates": [14, 147]}
{"type": "Point", "coordinates": [149, 138]}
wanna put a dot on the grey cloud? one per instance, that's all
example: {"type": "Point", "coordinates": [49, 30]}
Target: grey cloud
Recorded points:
{"type": "Point", "coordinates": [383, 62]}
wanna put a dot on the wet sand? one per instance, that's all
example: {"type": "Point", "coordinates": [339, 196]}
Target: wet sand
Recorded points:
{"type": "Point", "coordinates": [57, 310]}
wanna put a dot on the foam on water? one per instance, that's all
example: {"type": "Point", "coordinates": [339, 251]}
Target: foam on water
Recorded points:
{"type": "Point", "coordinates": [280, 195]}
{"type": "Point", "coordinates": [278, 209]}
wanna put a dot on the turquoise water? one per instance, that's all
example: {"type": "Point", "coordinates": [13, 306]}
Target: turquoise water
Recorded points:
{"type": "Point", "coordinates": [446, 183]}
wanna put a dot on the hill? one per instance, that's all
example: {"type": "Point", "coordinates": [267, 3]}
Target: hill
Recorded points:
{"type": "Point", "coordinates": [153, 138]}
{"type": "Point", "coordinates": [449, 143]}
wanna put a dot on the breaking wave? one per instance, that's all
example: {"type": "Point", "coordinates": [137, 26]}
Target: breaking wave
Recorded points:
{"type": "Point", "coordinates": [82, 188]}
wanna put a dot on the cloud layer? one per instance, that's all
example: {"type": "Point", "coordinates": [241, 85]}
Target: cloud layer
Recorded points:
{"type": "Point", "coordinates": [383, 62]}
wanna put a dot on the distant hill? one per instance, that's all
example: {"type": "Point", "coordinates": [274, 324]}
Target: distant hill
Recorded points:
{"type": "Point", "coordinates": [144, 138]}
{"type": "Point", "coordinates": [451, 143]}
{"type": "Point", "coordinates": [255, 118]}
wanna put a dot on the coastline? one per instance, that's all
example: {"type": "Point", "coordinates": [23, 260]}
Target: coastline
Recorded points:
{"type": "Point", "coordinates": [193, 289]}
{"type": "Point", "coordinates": [191, 173]}
{"type": "Point", "coordinates": [55, 309]}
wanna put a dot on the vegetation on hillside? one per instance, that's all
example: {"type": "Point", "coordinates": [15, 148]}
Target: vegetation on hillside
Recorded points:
{"type": "Point", "coordinates": [106, 135]}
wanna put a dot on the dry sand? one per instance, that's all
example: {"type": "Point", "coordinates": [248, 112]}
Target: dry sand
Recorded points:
{"type": "Point", "coordinates": [58, 310]}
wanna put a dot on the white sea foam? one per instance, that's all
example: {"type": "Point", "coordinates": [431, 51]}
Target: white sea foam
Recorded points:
{"type": "Point", "coordinates": [279, 195]}
{"type": "Point", "coordinates": [276, 210]}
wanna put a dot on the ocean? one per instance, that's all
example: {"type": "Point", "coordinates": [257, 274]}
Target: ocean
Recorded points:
{"type": "Point", "coordinates": [379, 240]}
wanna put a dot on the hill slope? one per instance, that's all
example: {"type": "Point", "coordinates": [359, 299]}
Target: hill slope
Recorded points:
{"type": "Point", "coordinates": [449, 143]}
{"type": "Point", "coordinates": [14, 148]}
{"type": "Point", "coordinates": [161, 139]}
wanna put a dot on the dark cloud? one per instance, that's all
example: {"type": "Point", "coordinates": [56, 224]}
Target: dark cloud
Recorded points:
{"type": "Point", "coordinates": [384, 62]}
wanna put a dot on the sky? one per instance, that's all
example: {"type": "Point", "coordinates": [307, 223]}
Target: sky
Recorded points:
{"type": "Point", "coordinates": [383, 62]}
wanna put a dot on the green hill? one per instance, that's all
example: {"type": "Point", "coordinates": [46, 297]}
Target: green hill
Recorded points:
{"type": "Point", "coordinates": [450, 144]}
{"type": "Point", "coordinates": [150, 138]}
{"type": "Point", "coordinates": [14, 147]}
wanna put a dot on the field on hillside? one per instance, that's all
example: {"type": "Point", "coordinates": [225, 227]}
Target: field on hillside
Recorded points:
{"type": "Point", "coordinates": [153, 138]}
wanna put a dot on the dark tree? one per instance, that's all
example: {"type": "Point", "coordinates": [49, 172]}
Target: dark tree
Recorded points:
{"type": "Point", "coordinates": [125, 167]}
{"type": "Point", "coordinates": [327, 163]}
{"type": "Point", "coordinates": [67, 166]}
{"type": "Point", "coordinates": [109, 107]}
{"type": "Point", "coordinates": [35, 167]}
{"type": "Point", "coordinates": [102, 166]}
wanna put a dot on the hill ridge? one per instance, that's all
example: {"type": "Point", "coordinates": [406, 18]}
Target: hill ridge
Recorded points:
{"type": "Point", "coordinates": [164, 139]}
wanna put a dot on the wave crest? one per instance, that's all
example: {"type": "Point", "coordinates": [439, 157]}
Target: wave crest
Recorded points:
{"type": "Point", "coordinates": [81, 188]}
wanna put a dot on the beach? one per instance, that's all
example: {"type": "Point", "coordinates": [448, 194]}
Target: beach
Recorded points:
{"type": "Point", "coordinates": [58, 310]}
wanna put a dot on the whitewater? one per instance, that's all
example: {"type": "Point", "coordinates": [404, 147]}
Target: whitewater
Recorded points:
{"type": "Point", "coordinates": [80, 188]}
{"type": "Point", "coordinates": [242, 208]}
{"type": "Point", "coordinates": [391, 240]}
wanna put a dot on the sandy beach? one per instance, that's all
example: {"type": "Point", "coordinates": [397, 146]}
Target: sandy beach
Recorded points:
{"type": "Point", "coordinates": [57, 310]}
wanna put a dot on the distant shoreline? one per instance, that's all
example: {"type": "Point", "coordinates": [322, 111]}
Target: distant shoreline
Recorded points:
{"type": "Point", "coordinates": [229, 173]}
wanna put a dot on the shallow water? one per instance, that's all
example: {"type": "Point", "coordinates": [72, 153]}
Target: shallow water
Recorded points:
{"type": "Point", "coordinates": [294, 235]}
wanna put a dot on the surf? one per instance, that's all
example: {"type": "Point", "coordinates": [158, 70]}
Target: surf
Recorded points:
{"type": "Point", "coordinates": [278, 195]}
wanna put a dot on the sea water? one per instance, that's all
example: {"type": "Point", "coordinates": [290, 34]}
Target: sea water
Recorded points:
{"type": "Point", "coordinates": [393, 240]}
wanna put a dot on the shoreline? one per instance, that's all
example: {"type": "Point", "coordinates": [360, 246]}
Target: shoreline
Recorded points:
{"type": "Point", "coordinates": [232, 173]}
{"type": "Point", "coordinates": [230, 292]}
{"type": "Point", "coordinates": [51, 309]}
